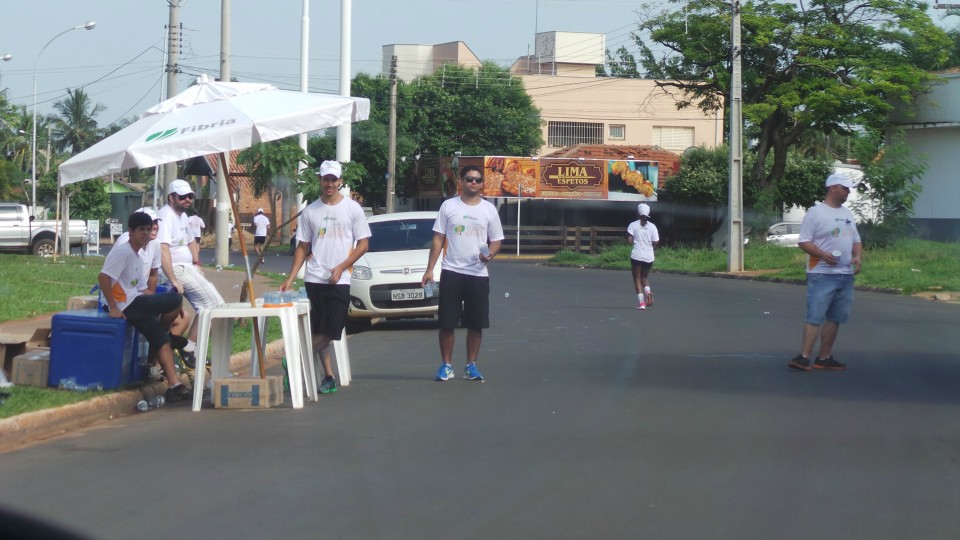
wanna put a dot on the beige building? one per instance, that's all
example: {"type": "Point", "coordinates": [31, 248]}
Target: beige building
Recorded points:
{"type": "Point", "coordinates": [576, 106]}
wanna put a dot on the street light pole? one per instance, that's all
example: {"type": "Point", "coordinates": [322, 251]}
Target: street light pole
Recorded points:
{"type": "Point", "coordinates": [89, 25]}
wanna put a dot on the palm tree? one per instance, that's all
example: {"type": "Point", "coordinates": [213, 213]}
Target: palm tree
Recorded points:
{"type": "Point", "coordinates": [15, 137]}
{"type": "Point", "coordinates": [74, 125]}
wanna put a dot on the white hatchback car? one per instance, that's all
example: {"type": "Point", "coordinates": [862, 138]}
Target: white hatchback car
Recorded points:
{"type": "Point", "coordinates": [385, 282]}
{"type": "Point", "coordinates": [785, 233]}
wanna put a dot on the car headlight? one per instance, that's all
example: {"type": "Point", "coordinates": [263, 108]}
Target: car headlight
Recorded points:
{"type": "Point", "coordinates": [361, 272]}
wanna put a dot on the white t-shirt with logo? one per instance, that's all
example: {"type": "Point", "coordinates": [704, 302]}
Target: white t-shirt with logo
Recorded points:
{"type": "Point", "coordinates": [150, 254]}
{"type": "Point", "coordinates": [261, 222]}
{"type": "Point", "coordinates": [467, 228]}
{"type": "Point", "coordinates": [125, 268]}
{"type": "Point", "coordinates": [643, 238]}
{"type": "Point", "coordinates": [332, 231]}
{"type": "Point", "coordinates": [830, 229]}
{"type": "Point", "coordinates": [176, 232]}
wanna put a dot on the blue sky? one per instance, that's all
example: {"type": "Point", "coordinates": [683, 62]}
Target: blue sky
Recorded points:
{"type": "Point", "coordinates": [120, 62]}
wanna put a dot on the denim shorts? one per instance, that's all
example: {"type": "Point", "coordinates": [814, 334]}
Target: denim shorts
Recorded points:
{"type": "Point", "coordinates": [829, 296]}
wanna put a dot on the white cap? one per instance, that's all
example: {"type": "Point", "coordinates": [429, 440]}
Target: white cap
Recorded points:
{"type": "Point", "coordinates": [259, 210]}
{"type": "Point", "coordinates": [840, 179]}
{"type": "Point", "coordinates": [180, 187]}
{"type": "Point", "coordinates": [643, 209]}
{"type": "Point", "coordinates": [150, 212]}
{"type": "Point", "coordinates": [330, 167]}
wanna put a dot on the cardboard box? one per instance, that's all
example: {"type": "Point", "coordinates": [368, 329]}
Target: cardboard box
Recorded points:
{"type": "Point", "coordinates": [82, 302]}
{"type": "Point", "coordinates": [31, 368]}
{"type": "Point", "coordinates": [40, 339]}
{"type": "Point", "coordinates": [248, 392]}
{"type": "Point", "coordinates": [10, 347]}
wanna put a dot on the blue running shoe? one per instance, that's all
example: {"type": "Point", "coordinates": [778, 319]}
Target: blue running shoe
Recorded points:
{"type": "Point", "coordinates": [445, 373]}
{"type": "Point", "coordinates": [472, 373]}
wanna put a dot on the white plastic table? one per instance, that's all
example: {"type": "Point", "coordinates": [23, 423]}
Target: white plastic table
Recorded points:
{"type": "Point", "coordinates": [216, 327]}
{"type": "Point", "coordinates": [311, 369]}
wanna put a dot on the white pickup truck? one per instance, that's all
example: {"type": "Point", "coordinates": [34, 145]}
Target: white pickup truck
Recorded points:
{"type": "Point", "coordinates": [20, 232]}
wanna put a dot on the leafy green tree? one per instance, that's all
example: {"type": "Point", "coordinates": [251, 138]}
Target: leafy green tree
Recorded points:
{"type": "Point", "coordinates": [75, 126]}
{"type": "Point", "coordinates": [90, 199]}
{"type": "Point", "coordinates": [827, 65]}
{"type": "Point", "coordinates": [273, 168]}
{"type": "Point", "coordinates": [475, 111]}
{"type": "Point", "coordinates": [892, 185]}
{"type": "Point", "coordinates": [621, 64]}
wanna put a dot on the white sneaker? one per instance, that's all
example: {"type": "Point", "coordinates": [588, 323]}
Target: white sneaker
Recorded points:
{"type": "Point", "coordinates": [642, 306]}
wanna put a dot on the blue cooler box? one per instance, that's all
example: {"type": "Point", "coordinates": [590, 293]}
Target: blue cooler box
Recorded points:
{"type": "Point", "coordinates": [95, 348]}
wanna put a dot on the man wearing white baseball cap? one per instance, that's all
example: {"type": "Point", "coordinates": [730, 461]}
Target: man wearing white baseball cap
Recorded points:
{"type": "Point", "coordinates": [334, 231]}
{"type": "Point", "coordinates": [180, 254]}
{"type": "Point", "coordinates": [643, 235]}
{"type": "Point", "coordinates": [828, 235]}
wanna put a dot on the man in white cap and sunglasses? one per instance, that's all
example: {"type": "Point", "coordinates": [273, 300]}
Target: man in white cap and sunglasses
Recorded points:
{"type": "Point", "coordinates": [180, 255]}
{"type": "Point", "coordinates": [333, 231]}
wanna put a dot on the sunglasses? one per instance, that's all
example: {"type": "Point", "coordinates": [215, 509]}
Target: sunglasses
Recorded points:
{"type": "Point", "coordinates": [185, 197]}
{"type": "Point", "coordinates": [473, 179]}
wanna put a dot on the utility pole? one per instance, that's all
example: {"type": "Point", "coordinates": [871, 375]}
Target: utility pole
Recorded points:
{"type": "Point", "coordinates": [222, 253]}
{"type": "Point", "coordinates": [735, 240]}
{"type": "Point", "coordinates": [174, 37]}
{"type": "Point", "coordinates": [345, 130]}
{"type": "Point", "coordinates": [392, 144]}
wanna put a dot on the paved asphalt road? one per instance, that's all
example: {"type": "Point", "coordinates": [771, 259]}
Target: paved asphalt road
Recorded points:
{"type": "Point", "coordinates": [597, 421]}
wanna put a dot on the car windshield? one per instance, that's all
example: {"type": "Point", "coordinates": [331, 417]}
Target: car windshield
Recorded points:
{"type": "Point", "coordinates": [402, 235]}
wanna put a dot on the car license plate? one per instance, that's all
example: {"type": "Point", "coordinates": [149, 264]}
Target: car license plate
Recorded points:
{"type": "Point", "coordinates": [399, 295]}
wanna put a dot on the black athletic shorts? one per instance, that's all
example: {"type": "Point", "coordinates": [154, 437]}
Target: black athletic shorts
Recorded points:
{"type": "Point", "coordinates": [259, 240]}
{"type": "Point", "coordinates": [464, 301]}
{"type": "Point", "coordinates": [328, 308]}
{"type": "Point", "coordinates": [144, 314]}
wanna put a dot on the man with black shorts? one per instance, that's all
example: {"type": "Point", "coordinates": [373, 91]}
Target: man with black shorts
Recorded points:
{"type": "Point", "coordinates": [260, 223]}
{"type": "Point", "coordinates": [334, 230]}
{"type": "Point", "coordinates": [125, 292]}
{"type": "Point", "coordinates": [471, 229]}
{"type": "Point", "coordinates": [643, 235]}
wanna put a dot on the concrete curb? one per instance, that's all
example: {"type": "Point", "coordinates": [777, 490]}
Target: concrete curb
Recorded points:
{"type": "Point", "coordinates": [27, 429]}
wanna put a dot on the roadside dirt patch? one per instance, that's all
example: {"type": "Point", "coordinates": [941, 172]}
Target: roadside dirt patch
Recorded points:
{"type": "Point", "coordinates": [940, 296]}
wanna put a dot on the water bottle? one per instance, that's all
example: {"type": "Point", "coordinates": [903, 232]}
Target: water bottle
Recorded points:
{"type": "Point", "coordinates": [143, 406]}
{"type": "Point", "coordinates": [428, 288]}
{"type": "Point", "coordinates": [485, 250]}
{"type": "Point", "coordinates": [158, 401]}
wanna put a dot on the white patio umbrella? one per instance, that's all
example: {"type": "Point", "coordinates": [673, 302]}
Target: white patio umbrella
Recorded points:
{"type": "Point", "coordinates": [212, 117]}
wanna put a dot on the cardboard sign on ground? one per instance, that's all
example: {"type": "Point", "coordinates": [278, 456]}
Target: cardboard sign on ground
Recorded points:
{"type": "Point", "coordinates": [248, 392]}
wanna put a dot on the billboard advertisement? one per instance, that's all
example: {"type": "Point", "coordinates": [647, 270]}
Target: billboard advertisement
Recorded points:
{"type": "Point", "coordinates": [545, 178]}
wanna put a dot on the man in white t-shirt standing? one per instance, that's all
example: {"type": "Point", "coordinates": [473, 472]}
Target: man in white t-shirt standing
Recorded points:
{"type": "Point", "coordinates": [180, 254]}
{"type": "Point", "coordinates": [644, 236]}
{"type": "Point", "coordinates": [828, 234]}
{"type": "Point", "coordinates": [471, 229]}
{"type": "Point", "coordinates": [196, 226]}
{"type": "Point", "coordinates": [260, 223]}
{"type": "Point", "coordinates": [334, 230]}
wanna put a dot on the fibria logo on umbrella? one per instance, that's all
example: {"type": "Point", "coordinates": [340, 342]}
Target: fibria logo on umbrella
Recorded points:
{"type": "Point", "coordinates": [192, 129]}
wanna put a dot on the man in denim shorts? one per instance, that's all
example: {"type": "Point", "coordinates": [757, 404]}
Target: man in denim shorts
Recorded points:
{"type": "Point", "coordinates": [828, 234]}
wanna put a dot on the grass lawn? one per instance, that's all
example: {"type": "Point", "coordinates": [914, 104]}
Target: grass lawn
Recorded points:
{"type": "Point", "coordinates": [911, 266]}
